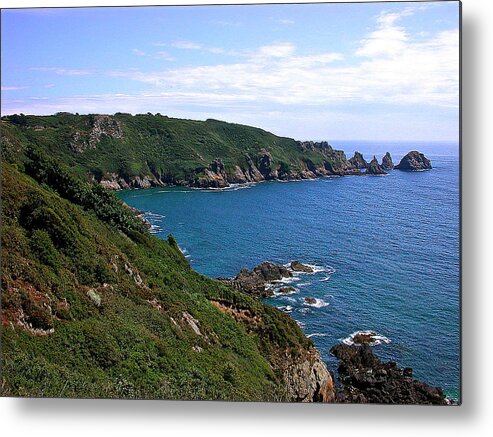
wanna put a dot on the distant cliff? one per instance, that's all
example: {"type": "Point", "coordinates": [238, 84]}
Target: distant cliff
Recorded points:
{"type": "Point", "coordinates": [123, 151]}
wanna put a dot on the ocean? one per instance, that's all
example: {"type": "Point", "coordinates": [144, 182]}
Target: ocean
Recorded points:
{"type": "Point", "coordinates": [386, 252]}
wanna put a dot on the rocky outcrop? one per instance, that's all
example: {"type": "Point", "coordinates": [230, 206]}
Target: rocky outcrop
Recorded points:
{"type": "Point", "coordinates": [252, 173]}
{"type": "Point", "coordinates": [306, 376]}
{"type": "Point", "coordinates": [414, 161]}
{"type": "Point", "coordinates": [365, 379]}
{"type": "Point", "coordinates": [387, 163]}
{"type": "Point", "coordinates": [374, 168]}
{"type": "Point", "coordinates": [213, 177]}
{"type": "Point", "coordinates": [298, 267]}
{"type": "Point", "coordinates": [265, 165]}
{"type": "Point", "coordinates": [100, 125]}
{"type": "Point", "coordinates": [357, 161]}
{"type": "Point", "coordinates": [255, 282]}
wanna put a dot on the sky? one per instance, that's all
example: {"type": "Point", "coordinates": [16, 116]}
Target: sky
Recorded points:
{"type": "Point", "coordinates": [374, 71]}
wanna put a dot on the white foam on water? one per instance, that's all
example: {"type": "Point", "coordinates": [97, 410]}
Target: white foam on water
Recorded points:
{"type": "Point", "coordinates": [317, 334]}
{"type": "Point", "coordinates": [281, 293]}
{"type": "Point", "coordinates": [319, 303]}
{"type": "Point", "coordinates": [154, 214]}
{"type": "Point", "coordinates": [286, 308]}
{"type": "Point", "coordinates": [377, 338]}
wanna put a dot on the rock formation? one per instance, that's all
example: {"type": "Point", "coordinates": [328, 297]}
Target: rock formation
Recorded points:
{"type": "Point", "coordinates": [387, 163]}
{"type": "Point", "coordinates": [365, 379]}
{"type": "Point", "coordinates": [213, 177]}
{"type": "Point", "coordinates": [374, 168]}
{"type": "Point", "coordinates": [296, 266]}
{"type": "Point", "coordinates": [414, 161]}
{"type": "Point", "coordinates": [255, 282]}
{"type": "Point", "coordinates": [306, 376]}
{"type": "Point", "coordinates": [357, 161]}
{"type": "Point", "coordinates": [100, 125]}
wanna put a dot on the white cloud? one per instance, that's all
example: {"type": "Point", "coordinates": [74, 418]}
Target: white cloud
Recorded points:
{"type": "Point", "coordinates": [12, 88]}
{"type": "Point", "coordinates": [138, 52]}
{"type": "Point", "coordinates": [186, 45]}
{"type": "Point", "coordinates": [66, 71]}
{"type": "Point", "coordinates": [390, 65]}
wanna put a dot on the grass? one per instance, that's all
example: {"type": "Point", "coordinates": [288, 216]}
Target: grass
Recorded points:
{"type": "Point", "coordinates": [95, 306]}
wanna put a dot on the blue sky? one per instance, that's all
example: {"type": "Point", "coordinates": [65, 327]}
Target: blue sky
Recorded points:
{"type": "Point", "coordinates": [376, 71]}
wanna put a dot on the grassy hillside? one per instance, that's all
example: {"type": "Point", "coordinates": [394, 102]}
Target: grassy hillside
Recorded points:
{"type": "Point", "coordinates": [95, 306]}
{"type": "Point", "coordinates": [168, 150]}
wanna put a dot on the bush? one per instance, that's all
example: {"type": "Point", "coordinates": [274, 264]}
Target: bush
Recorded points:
{"type": "Point", "coordinates": [43, 248]}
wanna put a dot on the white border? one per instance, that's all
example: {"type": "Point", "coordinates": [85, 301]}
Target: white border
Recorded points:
{"type": "Point", "coordinates": [31, 417]}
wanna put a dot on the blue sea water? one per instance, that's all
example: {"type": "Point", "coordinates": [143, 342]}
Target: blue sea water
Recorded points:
{"type": "Point", "coordinates": [386, 251]}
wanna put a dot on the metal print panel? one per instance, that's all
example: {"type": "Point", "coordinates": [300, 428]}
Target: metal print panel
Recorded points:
{"type": "Point", "coordinates": [237, 203]}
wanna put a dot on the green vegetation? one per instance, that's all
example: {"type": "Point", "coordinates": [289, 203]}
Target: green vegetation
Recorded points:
{"type": "Point", "coordinates": [157, 146]}
{"type": "Point", "coordinates": [95, 306]}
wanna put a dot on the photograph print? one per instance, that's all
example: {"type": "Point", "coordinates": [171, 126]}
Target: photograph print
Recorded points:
{"type": "Point", "coordinates": [233, 203]}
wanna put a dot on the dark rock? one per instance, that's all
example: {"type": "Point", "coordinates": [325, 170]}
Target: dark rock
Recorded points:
{"type": "Point", "coordinates": [310, 300]}
{"type": "Point", "coordinates": [286, 289]}
{"type": "Point", "coordinates": [272, 272]}
{"type": "Point", "coordinates": [213, 177]}
{"type": "Point", "coordinates": [414, 161]}
{"type": "Point", "coordinates": [252, 173]}
{"type": "Point", "coordinates": [364, 338]}
{"type": "Point", "coordinates": [256, 281]}
{"type": "Point", "coordinates": [374, 168]}
{"type": "Point", "coordinates": [265, 165]}
{"type": "Point", "coordinates": [365, 379]}
{"type": "Point", "coordinates": [298, 267]}
{"type": "Point", "coordinates": [357, 161]}
{"type": "Point", "coordinates": [387, 163]}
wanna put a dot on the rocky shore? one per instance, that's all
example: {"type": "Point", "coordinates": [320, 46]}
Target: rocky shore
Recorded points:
{"type": "Point", "coordinates": [263, 167]}
{"type": "Point", "coordinates": [259, 281]}
{"type": "Point", "coordinates": [365, 379]}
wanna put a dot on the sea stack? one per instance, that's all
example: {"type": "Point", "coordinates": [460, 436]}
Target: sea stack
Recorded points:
{"type": "Point", "coordinates": [374, 168]}
{"type": "Point", "coordinates": [387, 163]}
{"type": "Point", "coordinates": [357, 161]}
{"type": "Point", "coordinates": [414, 161]}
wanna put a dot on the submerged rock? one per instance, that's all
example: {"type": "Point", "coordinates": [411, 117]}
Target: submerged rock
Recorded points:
{"type": "Point", "coordinates": [414, 161]}
{"type": "Point", "coordinates": [298, 267]}
{"type": "Point", "coordinates": [387, 163]}
{"type": "Point", "coordinates": [365, 338]}
{"type": "Point", "coordinates": [374, 168]}
{"type": "Point", "coordinates": [365, 379]}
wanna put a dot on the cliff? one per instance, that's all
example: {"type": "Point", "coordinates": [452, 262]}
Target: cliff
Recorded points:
{"type": "Point", "coordinates": [123, 151]}
{"type": "Point", "coordinates": [95, 306]}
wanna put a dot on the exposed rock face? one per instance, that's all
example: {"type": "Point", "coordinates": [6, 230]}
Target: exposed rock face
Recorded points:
{"type": "Point", "coordinates": [306, 377]}
{"type": "Point", "coordinates": [365, 379]}
{"type": "Point", "coordinates": [298, 267]}
{"type": "Point", "coordinates": [387, 163]}
{"type": "Point", "coordinates": [255, 281]}
{"type": "Point", "coordinates": [213, 177]}
{"type": "Point", "coordinates": [265, 165]}
{"type": "Point", "coordinates": [100, 125]}
{"type": "Point", "coordinates": [374, 168]}
{"type": "Point", "coordinates": [357, 161]}
{"type": "Point", "coordinates": [414, 161]}
{"type": "Point", "coordinates": [252, 173]}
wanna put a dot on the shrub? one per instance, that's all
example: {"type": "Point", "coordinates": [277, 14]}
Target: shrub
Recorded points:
{"type": "Point", "coordinates": [43, 248]}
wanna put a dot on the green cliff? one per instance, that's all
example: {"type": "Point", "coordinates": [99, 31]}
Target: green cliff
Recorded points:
{"type": "Point", "coordinates": [95, 306]}
{"type": "Point", "coordinates": [123, 151]}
